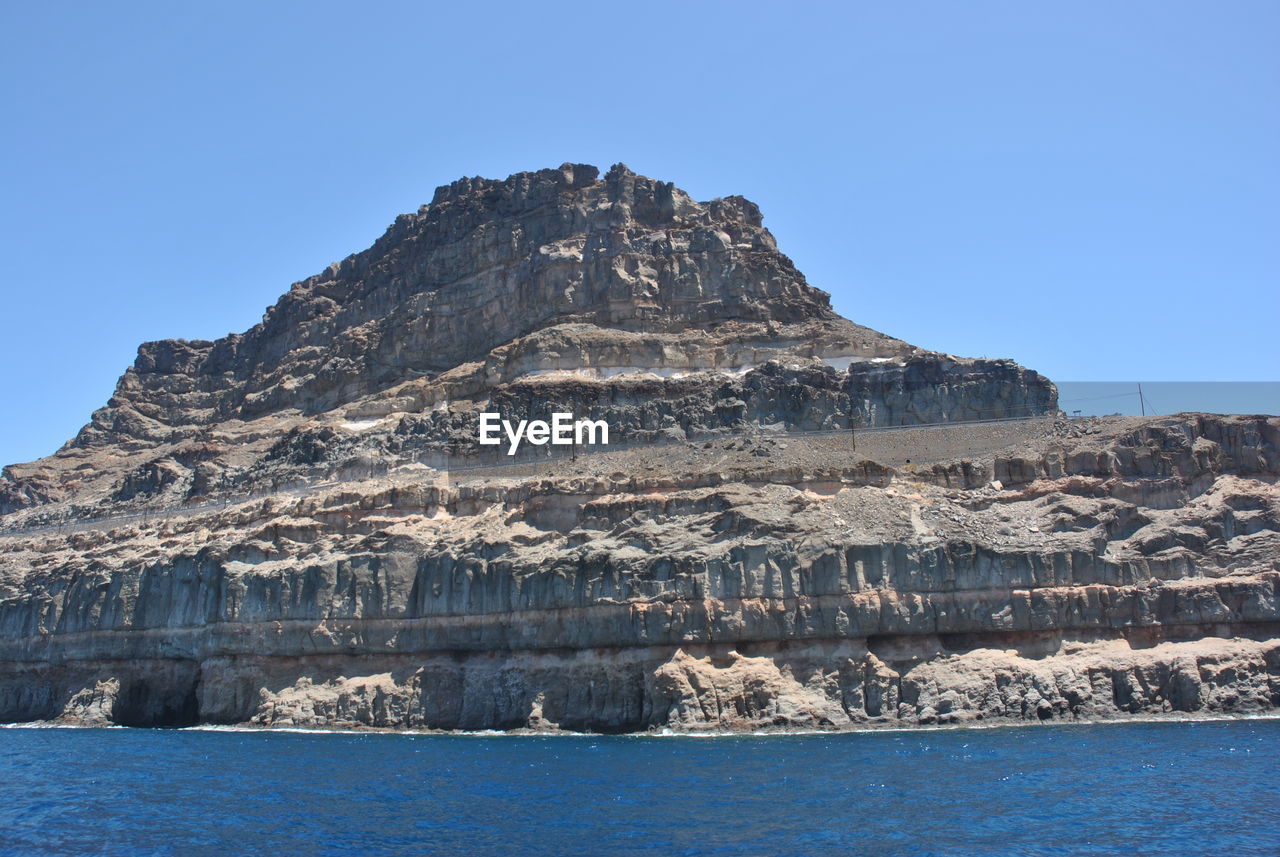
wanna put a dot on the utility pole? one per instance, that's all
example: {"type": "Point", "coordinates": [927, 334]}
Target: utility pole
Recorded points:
{"type": "Point", "coordinates": [1142, 402]}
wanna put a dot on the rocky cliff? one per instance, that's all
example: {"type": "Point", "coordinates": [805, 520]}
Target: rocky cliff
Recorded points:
{"type": "Point", "coordinates": [618, 298]}
{"type": "Point", "coordinates": [291, 526]}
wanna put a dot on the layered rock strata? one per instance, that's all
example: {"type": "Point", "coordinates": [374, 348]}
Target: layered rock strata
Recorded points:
{"type": "Point", "coordinates": [258, 530]}
{"type": "Point", "coordinates": [1134, 573]}
{"type": "Point", "coordinates": [616, 297]}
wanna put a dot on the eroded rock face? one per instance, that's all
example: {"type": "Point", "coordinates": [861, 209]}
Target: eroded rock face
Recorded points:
{"type": "Point", "coordinates": [617, 298]}
{"type": "Point", "coordinates": [714, 587]}
{"type": "Point", "coordinates": [486, 263]}
{"type": "Point", "coordinates": [259, 530]}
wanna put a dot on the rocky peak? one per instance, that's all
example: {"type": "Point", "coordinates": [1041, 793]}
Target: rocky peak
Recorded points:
{"type": "Point", "coordinates": [541, 185]}
{"type": "Point", "coordinates": [485, 263]}
{"type": "Point", "coordinates": [617, 297]}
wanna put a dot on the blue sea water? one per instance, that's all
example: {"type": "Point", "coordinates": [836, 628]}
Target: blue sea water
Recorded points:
{"type": "Point", "coordinates": [1206, 788]}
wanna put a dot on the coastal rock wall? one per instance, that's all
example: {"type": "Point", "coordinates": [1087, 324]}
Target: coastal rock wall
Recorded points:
{"type": "Point", "coordinates": [296, 525]}
{"type": "Point", "coordinates": [930, 604]}
{"type": "Point", "coordinates": [832, 684]}
{"type": "Point", "coordinates": [376, 602]}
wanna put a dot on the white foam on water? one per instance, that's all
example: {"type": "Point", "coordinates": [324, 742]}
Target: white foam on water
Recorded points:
{"type": "Point", "coordinates": [677, 733]}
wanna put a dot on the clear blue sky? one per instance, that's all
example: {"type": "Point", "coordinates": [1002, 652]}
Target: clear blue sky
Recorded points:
{"type": "Point", "coordinates": [1092, 188]}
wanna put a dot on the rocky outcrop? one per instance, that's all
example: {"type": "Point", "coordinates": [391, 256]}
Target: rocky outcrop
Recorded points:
{"type": "Point", "coordinates": [485, 264]}
{"type": "Point", "coordinates": [615, 297]}
{"type": "Point", "coordinates": [292, 526]}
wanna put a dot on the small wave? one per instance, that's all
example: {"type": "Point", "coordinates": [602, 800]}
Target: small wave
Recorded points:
{"type": "Point", "coordinates": [706, 733]}
{"type": "Point", "coordinates": [668, 732]}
